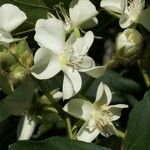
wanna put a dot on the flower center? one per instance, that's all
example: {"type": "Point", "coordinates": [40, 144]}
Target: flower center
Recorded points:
{"type": "Point", "coordinates": [73, 57]}
{"type": "Point", "coordinates": [102, 117]}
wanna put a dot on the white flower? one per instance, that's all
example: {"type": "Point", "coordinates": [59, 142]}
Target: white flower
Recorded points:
{"type": "Point", "coordinates": [26, 128]}
{"type": "Point", "coordinates": [112, 6]}
{"type": "Point", "coordinates": [10, 18]}
{"type": "Point", "coordinates": [129, 40]}
{"type": "Point", "coordinates": [81, 14]}
{"type": "Point", "coordinates": [129, 12]}
{"type": "Point", "coordinates": [98, 116]}
{"type": "Point", "coordinates": [55, 55]}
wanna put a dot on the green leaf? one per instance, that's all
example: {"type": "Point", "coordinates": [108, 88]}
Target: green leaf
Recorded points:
{"type": "Point", "coordinates": [5, 84]}
{"type": "Point", "coordinates": [143, 18]}
{"type": "Point", "coordinates": [138, 131]}
{"type": "Point", "coordinates": [19, 101]}
{"type": "Point", "coordinates": [55, 143]}
{"type": "Point", "coordinates": [3, 115]}
{"type": "Point", "coordinates": [116, 83]}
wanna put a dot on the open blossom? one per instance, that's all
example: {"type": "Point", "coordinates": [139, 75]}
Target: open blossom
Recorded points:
{"type": "Point", "coordinates": [81, 14]}
{"type": "Point", "coordinates": [98, 116]}
{"type": "Point", "coordinates": [10, 18]}
{"type": "Point", "coordinates": [55, 55]}
{"type": "Point", "coordinates": [129, 11]}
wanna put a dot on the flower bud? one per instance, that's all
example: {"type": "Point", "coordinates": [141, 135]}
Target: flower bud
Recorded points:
{"type": "Point", "coordinates": [17, 73]}
{"type": "Point", "coordinates": [129, 42]}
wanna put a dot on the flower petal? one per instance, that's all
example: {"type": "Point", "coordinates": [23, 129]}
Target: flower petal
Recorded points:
{"type": "Point", "coordinates": [11, 17]}
{"type": "Point", "coordinates": [96, 71]}
{"type": "Point", "coordinates": [116, 110]}
{"type": "Point", "coordinates": [50, 34]}
{"type": "Point", "coordinates": [125, 21]}
{"type": "Point", "coordinates": [68, 90]}
{"type": "Point", "coordinates": [123, 42]}
{"type": "Point", "coordinates": [26, 128]}
{"type": "Point", "coordinates": [85, 134]}
{"type": "Point", "coordinates": [79, 108]}
{"type": "Point", "coordinates": [108, 130]}
{"type": "Point", "coordinates": [45, 64]}
{"type": "Point", "coordinates": [5, 37]}
{"type": "Point", "coordinates": [87, 62]}
{"type": "Point", "coordinates": [71, 39]}
{"type": "Point", "coordinates": [82, 45]}
{"type": "Point", "coordinates": [112, 6]}
{"type": "Point", "coordinates": [79, 13]}
{"type": "Point", "coordinates": [103, 95]}
{"type": "Point", "coordinates": [143, 19]}
{"type": "Point", "coordinates": [89, 24]}
{"type": "Point", "coordinates": [72, 82]}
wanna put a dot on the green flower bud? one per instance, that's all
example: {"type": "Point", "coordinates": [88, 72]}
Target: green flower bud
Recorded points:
{"type": "Point", "coordinates": [17, 73]}
{"type": "Point", "coordinates": [22, 52]}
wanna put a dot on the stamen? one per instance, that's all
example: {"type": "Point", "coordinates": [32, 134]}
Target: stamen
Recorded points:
{"type": "Point", "coordinates": [62, 13]}
{"type": "Point", "coordinates": [102, 117]}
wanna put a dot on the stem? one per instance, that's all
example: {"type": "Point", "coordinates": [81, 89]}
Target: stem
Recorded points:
{"type": "Point", "coordinates": [44, 88]}
{"type": "Point", "coordinates": [61, 112]}
{"type": "Point", "coordinates": [120, 134]}
{"type": "Point", "coordinates": [23, 32]}
{"type": "Point", "coordinates": [69, 128]}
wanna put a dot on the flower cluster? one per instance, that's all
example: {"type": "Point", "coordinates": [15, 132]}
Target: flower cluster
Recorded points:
{"type": "Point", "coordinates": [63, 49]}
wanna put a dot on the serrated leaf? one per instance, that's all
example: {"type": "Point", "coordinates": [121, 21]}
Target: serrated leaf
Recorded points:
{"type": "Point", "coordinates": [55, 143]}
{"type": "Point", "coordinates": [138, 131]}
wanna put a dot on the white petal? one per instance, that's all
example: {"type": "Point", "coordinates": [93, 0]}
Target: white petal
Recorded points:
{"type": "Point", "coordinates": [79, 108]}
{"type": "Point", "coordinates": [58, 95]}
{"type": "Point", "coordinates": [96, 71]}
{"type": "Point", "coordinates": [39, 23]}
{"type": "Point", "coordinates": [26, 128]}
{"type": "Point", "coordinates": [72, 82]}
{"type": "Point", "coordinates": [5, 37]}
{"type": "Point", "coordinates": [45, 64]}
{"type": "Point", "coordinates": [116, 110]}
{"type": "Point", "coordinates": [50, 33]}
{"type": "Point", "coordinates": [82, 45]}
{"type": "Point", "coordinates": [112, 5]}
{"type": "Point", "coordinates": [108, 94]}
{"type": "Point", "coordinates": [125, 21]}
{"type": "Point", "coordinates": [71, 39]}
{"type": "Point", "coordinates": [89, 24]}
{"type": "Point", "coordinates": [143, 18]}
{"type": "Point", "coordinates": [79, 13]}
{"type": "Point", "coordinates": [87, 62]}
{"type": "Point", "coordinates": [85, 134]}
{"type": "Point", "coordinates": [108, 130]}
{"type": "Point", "coordinates": [68, 90]}
{"type": "Point", "coordinates": [11, 17]}
{"type": "Point", "coordinates": [99, 92]}
{"type": "Point", "coordinates": [123, 42]}
{"type": "Point", "coordinates": [103, 95]}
